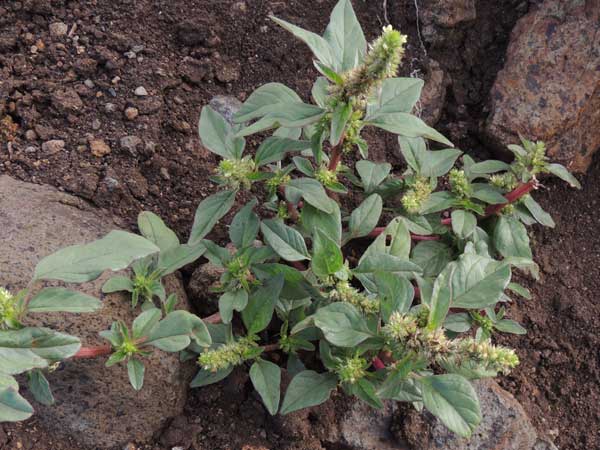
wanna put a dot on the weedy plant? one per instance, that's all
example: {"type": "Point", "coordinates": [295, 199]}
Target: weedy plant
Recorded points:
{"type": "Point", "coordinates": [394, 292]}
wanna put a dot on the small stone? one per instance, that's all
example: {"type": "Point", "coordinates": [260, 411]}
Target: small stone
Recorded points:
{"type": "Point", "coordinates": [141, 91]}
{"type": "Point", "coordinates": [31, 135]}
{"type": "Point", "coordinates": [130, 55]}
{"type": "Point", "coordinates": [131, 113]}
{"type": "Point", "coordinates": [66, 101]}
{"type": "Point", "coordinates": [228, 71]}
{"type": "Point", "coordinates": [31, 149]}
{"type": "Point", "coordinates": [137, 48]}
{"type": "Point", "coordinates": [58, 29]}
{"type": "Point", "coordinates": [110, 107]}
{"type": "Point", "coordinates": [99, 148]}
{"type": "Point", "coordinates": [96, 124]}
{"type": "Point", "coordinates": [164, 173]}
{"type": "Point", "coordinates": [52, 147]}
{"type": "Point", "coordinates": [130, 144]}
{"type": "Point", "coordinates": [89, 83]}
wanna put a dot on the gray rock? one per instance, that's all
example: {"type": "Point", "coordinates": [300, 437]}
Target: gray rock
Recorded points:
{"type": "Point", "coordinates": [226, 105]}
{"type": "Point", "coordinates": [94, 404]}
{"type": "Point", "coordinates": [110, 107]}
{"type": "Point", "coordinates": [58, 29]}
{"type": "Point", "coordinates": [365, 428]}
{"type": "Point", "coordinates": [130, 144]}
{"type": "Point", "coordinates": [52, 147]}
{"type": "Point", "coordinates": [544, 443]}
{"type": "Point", "coordinates": [505, 425]}
{"type": "Point", "coordinates": [66, 101]}
{"type": "Point", "coordinates": [141, 91]}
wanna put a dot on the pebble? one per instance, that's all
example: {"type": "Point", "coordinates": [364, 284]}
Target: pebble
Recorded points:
{"type": "Point", "coordinates": [131, 113]}
{"type": "Point", "coordinates": [89, 84]}
{"type": "Point", "coordinates": [58, 29]}
{"type": "Point", "coordinates": [164, 173]}
{"type": "Point", "coordinates": [130, 55]}
{"type": "Point", "coordinates": [99, 148]}
{"type": "Point", "coordinates": [110, 107]}
{"type": "Point", "coordinates": [53, 146]}
{"type": "Point", "coordinates": [141, 91]}
{"type": "Point", "coordinates": [96, 124]}
{"type": "Point", "coordinates": [31, 149]}
{"type": "Point", "coordinates": [30, 135]}
{"type": "Point", "coordinates": [137, 48]}
{"type": "Point", "coordinates": [130, 144]}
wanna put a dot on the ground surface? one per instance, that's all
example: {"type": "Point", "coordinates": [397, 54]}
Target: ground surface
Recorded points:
{"type": "Point", "coordinates": [231, 48]}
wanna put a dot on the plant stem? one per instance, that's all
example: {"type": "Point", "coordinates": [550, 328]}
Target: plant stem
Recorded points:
{"type": "Point", "coordinates": [270, 347]}
{"type": "Point", "coordinates": [512, 196]}
{"type": "Point", "coordinates": [214, 318]}
{"type": "Point", "coordinates": [336, 156]}
{"type": "Point", "coordinates": [378, 363]}
{"type": "Point", "coordinates": [93, 352]}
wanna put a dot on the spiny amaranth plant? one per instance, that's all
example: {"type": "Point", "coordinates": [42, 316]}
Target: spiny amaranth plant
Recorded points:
{"type": "Point", "coordinates": [396, 297]}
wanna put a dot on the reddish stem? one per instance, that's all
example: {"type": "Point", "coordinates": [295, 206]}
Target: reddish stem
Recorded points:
{"type": "Point", "coordinates": [336, 156]}
{"type": "Point", "coordinates": [512, 196]}
{"type": "Point", "coordinates": [215, 318]}
{"type": "Point", "coordinates": [378, 363]}
{"type": "Point", "coordinates": [93, 352]}
{"type": "Point", "coordinates": [298, 265]}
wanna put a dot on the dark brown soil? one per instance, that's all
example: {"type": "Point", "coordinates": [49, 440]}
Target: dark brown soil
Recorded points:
{"type": "Point", "coordinates": [195, 49]}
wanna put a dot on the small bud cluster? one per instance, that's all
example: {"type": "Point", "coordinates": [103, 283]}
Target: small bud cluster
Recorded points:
{"type": "Point", "coordinates": [236, 173]}
{"type": "Point", "coordinates": [506, 181]}
{"type": "Point", "coordinates": [459, 183]}
{"type": "Point", "coordinates": [491, 357]}
{"type": "Point", "coordinates": [8, 310]}
{"type": "Point", "coordinates": [483, 321]}
{"type": "Point", "coordinates": [353, 128]}
{"type": "Point", "coordinates": [326, 177]}
{"type": "Point", "coordinates": [351, 370]}
{"type": "Point", "coordinates": [534, 160]}
{"type": "Point", "coordinates": [240, 271]}
{"type": "Point", "coordinates": [413, 199]}
{"type": "Point", "coordinates": [280, 179]}
{"type": "Point", "coordinates": [381, 62]}
{"type": "Point", "coordinates": [405, 329]}
{"type": "Point", "coordinates": [231, 354]}
{"type": "Point", "coordinates": [345, 293]}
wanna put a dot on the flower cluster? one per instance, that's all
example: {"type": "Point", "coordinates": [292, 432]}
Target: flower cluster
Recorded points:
{"type": "Point", "coordinates": [345, 293]}
{"type": "Point", "coordinates": [459, 183]}
{"type": "Point", "coordinates": [489, 356]}
{"type": "Point", "coordinates": [236, 173]}
{"type": "Point", "coordinates": [231, 354]}
{"type": "Point", "coordinates": [326, 177]}
{"type": "Point", "coordinates": [280, 178]}
{"type": "Point", "coordinates": [350, 370]}
{"type": "Point", "coordinates": [8, 310]}
{"type": "Point", "coordinates": [534, 159]}
{"type": "Point", "coordinates": [381, 62]}
{"type": "Point", "coordinates": [414, 198]}
{"type": "Point", "coordinates": [506, 181]}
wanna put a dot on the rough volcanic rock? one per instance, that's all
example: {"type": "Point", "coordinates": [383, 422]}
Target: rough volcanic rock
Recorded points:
{"type": "Point", "coordinates": [505, 425]}
{"type": "Point", "coordinates": [94, 404]}
{"type": "Point", "coordinates": [365, 428]}
{"type": "Point", "coordinates": [549, 88]}
{"type": "Point", "coordinates": [446, 13]}
{"type": "Point", "coordinates": [433, 97]}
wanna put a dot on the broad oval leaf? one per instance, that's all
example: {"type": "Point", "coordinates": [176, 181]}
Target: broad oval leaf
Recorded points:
{"type": "Point", "coordinates": [510, 238]}
{"type": "Point", "coordinates": [287, 242]}
{"type": "Point", "coordinates": [154, 229]}
{"type": "Point", "coordinates": [230, 301]}
{"type": "Point", "coordinates": [13, 407]}
{"type": "Point", "coordinates": [364, 218]}
{"type": "Point", "coordinates": [135, 371]}
{"type": "Point", "coordinates": [308, 388]}
{"type": "Point", "coordinates": [209, 212]}
{"type": "Point", "coordinates": [345, 37]}
{"type": "Point", "coordinates": [263, 99]}
{"type": "Point", "coordinates": [266, 378]}
{"type": "Point", "coordinates": [61, 299]}
{"type": "Point", "coordinates": [407, 125]}
{"type": "Point", "coordinates": [327, 256]}
{"type": "Point", "coordinates": [261, 304]}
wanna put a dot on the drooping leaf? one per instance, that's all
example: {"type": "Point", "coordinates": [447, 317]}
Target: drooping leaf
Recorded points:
{"type": "Point", "coordinates": [537, 212]}
{"type": "Point", "coordinates": [413, 149]}
{"type": "Point", "coordinates": [339, 119]}
{"type": "Point", "coordinates": [154, 229]}
{"type": "Point", "coordinates": [135, 371]}
{"type": "Point", "coordinates": [313, 193]}
{"type": "Point", "coordinates": [177, 257]}
{"type": "Point", "coordinates": [489, 166]}
{"type": "Point", "coordinates": [487, 193]}
{"type": "Point", "coordinates": [327, 256]}
{"type": "Point", "coordinates": [263, 100]}
{"type": "Point", "coordinates": [145, 322]}
{"type": "Point", "coordinates": [319, 91]}
{"type": "Point", "coordinates": [230, 301]}
{"type": "Point", "coordinates": [13, 407]}
{"type": "Point", "coordinates": [118, 283]}
{"type": "Point", "coordinates": [330, 224]}
{"type": "Point", "coordinates": [386, 263]}
{"type": "Point", "coordinates": [509, 326]}
{"type": "Point", "coordinates": [407, 125]}
{"type": "Point", "coordinates": [397, 95]}
{"type": "Point", "coordinates": [284, 240]}
{"type": "Point", "coordinates": [441, 295]}
{"type": "Point", "coordinates": [266, 378]}
{"type": "Point", "coordinates": [364, 218]}
{"type": "Point", "coordinates": [205, 377]}
{"type": "Point", "coordinates": [510, 238]}
{"type": "Point", "coordinates": [437, 163]}
{"type": "Point", "coordinates": [217, 135]}
{"type": "Point", "coordinates": [463, 223]}
{"type": "Point", "coordinates": [261, 304]}
{"type": "Point", "coordinates": [276, 148]}
{"type": "Point", "coordinates": [209, 212]}
{"type": "Point", "coordinates": [308, 388]}
{"type": "Point", "coordinates": [39, 387]}
{"type": "Point", "coordinates": [453, 400]}
{"type": "Point", "coordinates": [81, 263]}
{"type": "Point", "coordinates": [395, 292]}
{"type": "Point", "coordinates": [176, 330]}
{"type": "Point", "coordinates": [562, 173]}
{"type": "Point", "coordinates": [60, 299]}
{"type": "Point", "coordinates": [342, 325]}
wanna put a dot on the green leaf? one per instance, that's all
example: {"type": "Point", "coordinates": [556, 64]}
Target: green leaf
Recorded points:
{"type": "Point", "coordinates": [287, 242]}
{"type": "Point", "coordinates": [397, 95]}
{"type": "Point", "coordinates": [395, 292]}
{"type": "Point", "coordinates": [509, 326]}
{"type": "Point", "coordinates": [432, 257]}
{"type": "Point", "coordinates": [81, 263]}
{"type": "Point", "coordinates": [319, 46]}
{"type": "Point", "coordinates": [289, 115]}
{"type": "Point", "coordinates": [217, 135]}
{"type": "Point", "coordinates": [395, 240]}
{"type": "Point", "coordinates": [276, 148]}
{"type": "Point", "coordinates": [65, 300]}
{"type": "Point", "coordinates": [537, 212]}
{"type": "Point", "coordinates": [205, 377]}
{"type": "Point", "coordinates": [453, 400]}
{"type": "Point", "coordinates": [13, 407]}
{"type": "Point", "coordinates": [330, 224]}
{"type": "Point", "coordinates": [518, 289]}
{"type": "Point", "coordinates": [145, 322]}
{"type": "Point", "coordinates": [365, 390]}
{"type": "Point", "coordinates": [385, 263]}
{"type": "Point", "coordinates": [135, 371]}
{"type": "Point", "coordinates": [562, 173]}
{"type": "Point", "coordinates": [413, 150]}
{"type": "Point", "coordinates": [441, 295]}
{"type": "Point", "coordinates": [342, 325]}
{"type": "Point", "coordinates": [209, 212]}
{"type": "Point", "coordinates": [175, 331]}
{"type": "Point", "coordinates": [345, 37]}
{"type": "Point", "coordinates": [339, 119]}
{"type": "Point", "coordinates": [478, 281]}
{"type": "Point", "coordinates": [266, 378]}
{"type": "Point", "coordinates": [261, 304]}
{"type": "Point", "coordinates": [177, 257]}
{"type": "Point", "coordinates": [364, 218]}
{"type": "Point", "coordinates": [263, 100]}
{"type": "Point", "coordinates": [463, 223]}
{"type": "Point", "coordinates": [40, 388]}
{"type": "Point", "coordinates": [230, 301]}
{"type": "Point", "coordinates": [489, 166]}
{"type": "Point", "coordinates": [313, 193]}
{"type": "Point", "coordinates": [331, 74]}
{"type": "Point", "coordinates": [438, 201]}
{"type": "Point", "coordinates": [488, 194]}
{"type": "Point", "coordinates": [406, 125]}
{"type": "Point", "coordinates": [327, 256]}
{"type": "Point", "coordinates": [117, 283]}
{"type": "Point", "coordinates": [510, 238]}
{"type": "Point", "coordinates": [320, 92]}
{"type": "Point", "coordinates": [304, 165]}
{"type": "Point", "coordinates": [458, 323]}
{"type": "Point", "coordinates": [372, 174]}
{"type": "Point", "coordinates": [34, 348]}
{"type": "Point", "coordinates": [307, 389]}
{"type": "Point", "coordinates": [244, 226]}
{"type": "Point", "coordinates": [438, 163]}
{"type": "Point", "coordinates": [154, 229]}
